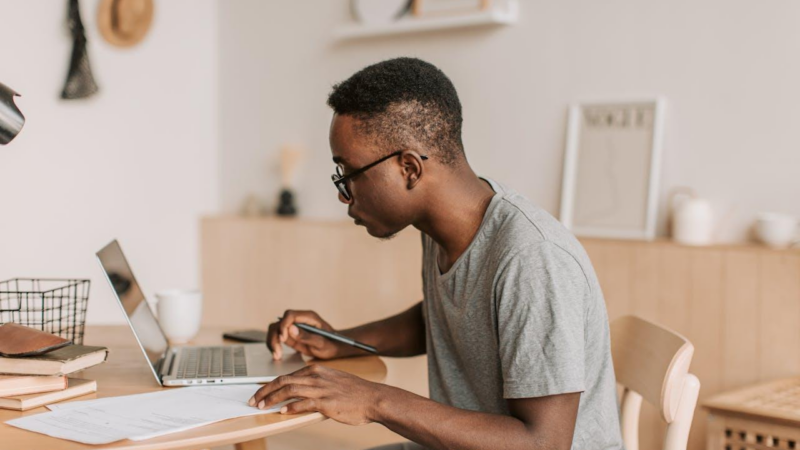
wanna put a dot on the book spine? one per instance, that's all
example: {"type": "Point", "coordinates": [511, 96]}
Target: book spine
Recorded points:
{"type": "Point", "coordinates": [32, 385]}
{"type": "Point", "coordinates": [67, 394]}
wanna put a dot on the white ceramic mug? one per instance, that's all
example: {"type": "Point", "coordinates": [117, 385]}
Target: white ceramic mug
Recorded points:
{"type": "Point", "coordinates": [179, 313]}
{"type": "Point", "coordinates": [776, 230]}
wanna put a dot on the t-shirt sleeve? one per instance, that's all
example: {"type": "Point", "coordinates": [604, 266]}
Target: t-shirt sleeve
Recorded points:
{"type": "Point", "coordinates": [540, 313]}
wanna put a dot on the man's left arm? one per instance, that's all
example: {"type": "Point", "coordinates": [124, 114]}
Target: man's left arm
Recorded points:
{"type": "Point", "coordinates": [534, 423]}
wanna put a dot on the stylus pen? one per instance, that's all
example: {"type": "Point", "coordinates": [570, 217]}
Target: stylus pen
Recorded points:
{"type": "Point", "coordinates": [335, 337]}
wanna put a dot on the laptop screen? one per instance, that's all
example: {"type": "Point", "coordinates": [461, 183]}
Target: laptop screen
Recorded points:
{"type": "Point", "coordinates": [140, 317]}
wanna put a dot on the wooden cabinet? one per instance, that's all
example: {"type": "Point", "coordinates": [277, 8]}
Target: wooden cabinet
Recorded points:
{"type": "Point", "coordinates": [255, 269]}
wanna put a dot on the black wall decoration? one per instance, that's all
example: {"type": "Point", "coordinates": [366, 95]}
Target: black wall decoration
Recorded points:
{"type": "Point", "coordinates": [80, 81]}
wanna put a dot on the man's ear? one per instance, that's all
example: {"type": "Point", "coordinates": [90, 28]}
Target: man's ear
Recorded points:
{"type": "Point", "coordinates": [413, 167]}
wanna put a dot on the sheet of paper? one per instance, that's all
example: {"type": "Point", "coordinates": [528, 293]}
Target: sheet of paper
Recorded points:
{"type": "Point", "coordinates": [99, 401]}
{"type": "Point", "coordinates": [143, 416]}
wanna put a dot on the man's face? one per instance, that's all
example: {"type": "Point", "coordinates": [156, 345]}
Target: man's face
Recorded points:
{"type": "Point", "coordinates": [379, 198]}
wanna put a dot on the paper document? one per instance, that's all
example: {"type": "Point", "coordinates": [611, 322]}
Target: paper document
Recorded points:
{"type": "Point", "coordinates": [143, 416]}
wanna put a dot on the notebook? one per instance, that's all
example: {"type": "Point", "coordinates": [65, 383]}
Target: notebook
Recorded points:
{"type": "Point", "coordinates": [76, 387]}
{"type": "Point", "coordinates": [17, 340]}
{"type": "Point", "coordinates": [21, 385]}
{"type": "Point", "coordinates": [62, 361]}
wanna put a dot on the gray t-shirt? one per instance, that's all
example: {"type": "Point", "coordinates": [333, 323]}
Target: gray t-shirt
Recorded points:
{"type": "Point", "coordinates": [520, 314]}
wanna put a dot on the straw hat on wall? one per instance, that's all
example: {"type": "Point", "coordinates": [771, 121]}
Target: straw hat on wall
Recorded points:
{"type": "Point", "coordinates": [124, 23]}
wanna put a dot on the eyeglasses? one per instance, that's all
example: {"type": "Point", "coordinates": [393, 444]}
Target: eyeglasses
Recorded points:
{"type": "Point", "coordinates": [340, 179]}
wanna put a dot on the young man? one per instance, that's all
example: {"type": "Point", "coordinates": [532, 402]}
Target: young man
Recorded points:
{"type": "Point", "coordinates": [513, 319]}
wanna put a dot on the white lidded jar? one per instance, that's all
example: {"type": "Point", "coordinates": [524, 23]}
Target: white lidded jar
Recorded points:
{"type": "Point", "coordinates": [692, 218]}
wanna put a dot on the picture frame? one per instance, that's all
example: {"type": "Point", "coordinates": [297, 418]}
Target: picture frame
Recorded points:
{"type": "Point", "coordinates": [612, 165]}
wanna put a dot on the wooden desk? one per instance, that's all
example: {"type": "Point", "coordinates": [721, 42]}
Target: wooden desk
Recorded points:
{"type": "Point", "coordinates": [126, 373]}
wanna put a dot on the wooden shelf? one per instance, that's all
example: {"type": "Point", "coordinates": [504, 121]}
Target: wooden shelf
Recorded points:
{"type": "Point", "coordinates": [410, 24]}
{"type": "Point", "coordinates": [720, 246]}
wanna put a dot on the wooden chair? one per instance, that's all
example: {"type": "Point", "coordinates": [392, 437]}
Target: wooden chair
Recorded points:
{"type": "Point", "coordinates": [652, 363]}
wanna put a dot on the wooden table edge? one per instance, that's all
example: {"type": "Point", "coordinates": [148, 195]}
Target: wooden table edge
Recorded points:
{"type": "Point", "coordinates": [224, 438]}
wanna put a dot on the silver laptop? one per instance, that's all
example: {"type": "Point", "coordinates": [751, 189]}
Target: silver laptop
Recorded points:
{"type": "Point", "coordinates": [186, 365]}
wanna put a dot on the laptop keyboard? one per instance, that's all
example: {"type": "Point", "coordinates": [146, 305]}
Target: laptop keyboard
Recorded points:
{"type": "Point", "coordinates": [212, 362]}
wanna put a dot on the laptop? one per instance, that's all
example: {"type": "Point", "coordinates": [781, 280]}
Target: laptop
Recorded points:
{"type": "Point", "coordinates": [186, 365]}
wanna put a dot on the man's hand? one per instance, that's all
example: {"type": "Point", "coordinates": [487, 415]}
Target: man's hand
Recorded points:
{"type": "Point", "coordinates": [308, 344]}
{"type": "Point", "coordinates": [338, 395]}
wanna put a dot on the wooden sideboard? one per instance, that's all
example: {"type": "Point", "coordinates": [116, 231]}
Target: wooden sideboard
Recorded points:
{"type": "Point", "coordinates": [739, 305]}
{"type": "Point", "coordinates": [255, 269]}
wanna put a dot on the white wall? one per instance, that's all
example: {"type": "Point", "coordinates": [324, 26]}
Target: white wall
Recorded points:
{"type": "Point", "coordinates": [168, 139]}
{"type": "Point", "coordinates": [137, 162]}
{"type": "Point", "coordinates": [729, 70]}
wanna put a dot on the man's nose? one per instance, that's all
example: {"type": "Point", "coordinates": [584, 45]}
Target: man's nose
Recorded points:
{"type": "Point", "coordinates": [344, 200]}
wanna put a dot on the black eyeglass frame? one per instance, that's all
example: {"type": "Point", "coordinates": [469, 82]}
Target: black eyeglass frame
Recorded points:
{"type": "Point", "coordinates": [340, 180]}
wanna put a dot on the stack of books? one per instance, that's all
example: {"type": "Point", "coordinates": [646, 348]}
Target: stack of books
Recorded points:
{"type": "Point", "coordinates": [31, 381]}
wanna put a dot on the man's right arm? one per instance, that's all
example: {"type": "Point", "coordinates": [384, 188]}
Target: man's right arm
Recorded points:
{"type": "Point", "coordinates": [399, 335]}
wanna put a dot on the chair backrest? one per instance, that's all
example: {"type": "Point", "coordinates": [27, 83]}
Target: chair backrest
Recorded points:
{"type": "Point", "coordinates": [652, 363]}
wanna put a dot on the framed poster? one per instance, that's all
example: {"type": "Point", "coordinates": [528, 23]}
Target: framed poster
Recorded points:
{"type": "Point", "coordinates": [611, 168]}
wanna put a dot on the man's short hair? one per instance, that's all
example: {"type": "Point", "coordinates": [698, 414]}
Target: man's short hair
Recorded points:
{"type": "Point", "coordinates": [404, 101]}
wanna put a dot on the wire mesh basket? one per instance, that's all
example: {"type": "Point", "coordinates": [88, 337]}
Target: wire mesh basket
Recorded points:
{"type": "Point", "coordinates": [57, 306]}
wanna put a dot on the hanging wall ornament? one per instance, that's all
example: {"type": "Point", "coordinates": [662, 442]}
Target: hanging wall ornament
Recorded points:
{"type": "Point", "coordinates": [124, 23]}
{"type": "Point", "coordinates": [80, 82]}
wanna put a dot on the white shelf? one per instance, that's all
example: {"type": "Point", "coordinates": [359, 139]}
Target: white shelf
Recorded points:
{"type": "Point", "coordinates": [410, 24]}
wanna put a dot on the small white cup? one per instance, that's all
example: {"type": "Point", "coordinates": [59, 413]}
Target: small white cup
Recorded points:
{"type": "Point", "coordinates": [776, 230]}
{"type": "Point", "coordinates": [179, 313]}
